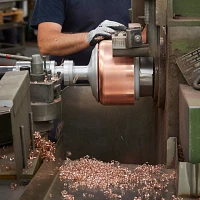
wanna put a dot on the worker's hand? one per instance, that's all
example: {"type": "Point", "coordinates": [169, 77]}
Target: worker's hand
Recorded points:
{"type": "Point", "coordinates": [104, 31]}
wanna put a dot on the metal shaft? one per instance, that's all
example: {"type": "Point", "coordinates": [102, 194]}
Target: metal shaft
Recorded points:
{"type": "Point", "coordinates": [15, 57]}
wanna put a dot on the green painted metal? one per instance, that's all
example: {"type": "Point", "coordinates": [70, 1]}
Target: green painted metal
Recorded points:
{"type": "Point", "coordinates": [189, 119]}
{"type": "Point", "coordinates": [194, 137]}
{"type": "Point", "coordinates": [186, 8]}
{"type": "Point", "coordinates": [185, 46]}
{"type": "Point", "coordinates": [182, 22]}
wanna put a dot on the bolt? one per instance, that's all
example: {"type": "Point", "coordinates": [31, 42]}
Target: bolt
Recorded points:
{"type": "Point", "coordinates": [58, 74]}
{"type": "Point", "coordinates": [138, 38]}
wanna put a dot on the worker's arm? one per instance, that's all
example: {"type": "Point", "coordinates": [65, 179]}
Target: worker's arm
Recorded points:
{"type": "Point", "coordinates": [52, 42]}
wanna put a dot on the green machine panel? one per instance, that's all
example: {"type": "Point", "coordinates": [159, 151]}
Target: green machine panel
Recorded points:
{"type": "Point", "coordinates": [189, 123]}
{"type": "Point", "coordinates": [186, 8]}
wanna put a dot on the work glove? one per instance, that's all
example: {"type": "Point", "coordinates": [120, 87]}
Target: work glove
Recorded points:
{"type": "Point", "coordinates": [104, 31]}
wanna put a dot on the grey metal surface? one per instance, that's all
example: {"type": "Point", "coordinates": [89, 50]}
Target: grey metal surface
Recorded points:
{"type": "Point", "coordinates": [146, 76]}
{"type": "Point", "coordinates": [137, 11]}
{"type": "Point", "coordinates": [6, 193]}
{"type": "Point", "coordinates": [171, 161]}
{"type": "Point", "coordinates": [93, 74]}
{"type": "Point", "coordinates": [42, 92]}
{"type": "Point", "coordinates": [43, 127]}
{"type": "Point", "coordinates": [135, 52]}
{"type": "Point", "coordinates": [134, 36]}
{"type": "Point", "coordinates": [184, 137]}
{"type": "Point", "coordinates": [46, 111]}
{"type": "Point", "coordinates": [31, 131]}
{"type": "Point", "coordinates": [37, 77]}
{"type": "Point", "coordinates": [188, 179]}
{"type": "Point", "coordinates": [136, 78]}
{"type": "Point", "coordinates": [83, 73]}
{"type": "Point", "coordinates": [119, 40]}
{"type": "Point", "coordinates": [123, 133]}
{"type": "Point", "coordinates": [189, 65]}
{"type": "Point", "coordinates": [24, 152]}
{"type": "Point", "coordinates": [45, 91]}
{"type": "Point", "coordinates": [37, 64]}
{"type": "Point", "coordinates": [161, 12]}
{"type": "Point", "coordinates": [143, 77]}
{"type": "Point", "coordinates": [80, 72]}
{"type": "Point", "coordinates": [15, 93]}
{"type": "Point", "coordinates": [67, 71]}
{"type": "Point", "coordinates": [152, 34]}
{"type": "Point", "coordinates": [73, 73]}
{"type": "Point", "coordinates": [40, 184]}
{"type": "Point", "coordinates": [160, 69]}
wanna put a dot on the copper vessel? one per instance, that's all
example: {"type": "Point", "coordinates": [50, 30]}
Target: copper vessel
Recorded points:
{"type": "Point", "coordinates": [116, 77]}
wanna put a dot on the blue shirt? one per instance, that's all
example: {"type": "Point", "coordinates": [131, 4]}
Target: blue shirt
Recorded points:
{"type": "Point", "coordinates": [77, 16]}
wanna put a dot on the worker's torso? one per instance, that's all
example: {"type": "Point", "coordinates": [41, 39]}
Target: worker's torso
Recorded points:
{"type": "Point", "coordinates": [81, 16]}
{"type": "Point", "coordinates": [85, 15]}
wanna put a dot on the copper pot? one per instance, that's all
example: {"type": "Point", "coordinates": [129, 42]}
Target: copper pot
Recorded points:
{"type": "Point", "coordinates": [116, 77]}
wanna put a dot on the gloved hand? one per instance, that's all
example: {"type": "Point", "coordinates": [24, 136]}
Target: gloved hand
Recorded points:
{"type": "Point", "coordinates": [104, 31]}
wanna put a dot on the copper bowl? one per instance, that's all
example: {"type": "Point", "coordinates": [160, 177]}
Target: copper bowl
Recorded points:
{"type": "Point", "coordinates": [116, 77]}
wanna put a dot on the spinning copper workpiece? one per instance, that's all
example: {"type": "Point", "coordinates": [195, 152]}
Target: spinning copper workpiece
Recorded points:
{"type": "Point", "coordinates": [116, 77]}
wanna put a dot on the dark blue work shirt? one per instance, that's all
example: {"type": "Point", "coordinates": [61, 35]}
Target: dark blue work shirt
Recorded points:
{"type": "Point", "coordinates": [77, 16]}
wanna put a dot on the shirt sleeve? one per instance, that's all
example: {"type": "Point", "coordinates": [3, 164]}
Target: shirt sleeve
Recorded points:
{"type": "Point", "coordinates": [48, 11]}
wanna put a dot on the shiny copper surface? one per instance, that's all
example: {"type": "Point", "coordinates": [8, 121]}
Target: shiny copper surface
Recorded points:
{"type": "Point", "coordinates": [116, 77]}
{"type": "Point", "coordinates": [144, 35]}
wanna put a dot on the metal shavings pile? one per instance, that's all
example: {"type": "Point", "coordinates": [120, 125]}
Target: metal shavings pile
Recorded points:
{"type": "Point", "coordinates": [114, 180]}
{"type": "Point", "coordinates": [46, 148]}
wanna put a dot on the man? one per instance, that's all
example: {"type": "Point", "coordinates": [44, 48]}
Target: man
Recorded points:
{"type": "Point", "coordinates": [68, 29]}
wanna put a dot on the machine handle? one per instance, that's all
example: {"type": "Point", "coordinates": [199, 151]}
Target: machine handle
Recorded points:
{"type": "Point", "coordinates": [16, 57]}
{"type": "Point", "coordinates": [196, 82]}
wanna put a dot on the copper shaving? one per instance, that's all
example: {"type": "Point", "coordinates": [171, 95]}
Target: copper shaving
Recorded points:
{"type": "Point", "coordinates": [13, 186]}
{"type": "Point", "coordinates": [46, 148]}
{"type": "Point", "coordinates": [68, 153]}
{"type": "Point", "coordinates": [67, 196]}
{"type": "Point", "coordinates": [115, 180]}
{"type": "Point", "coordinates": [50, 195]}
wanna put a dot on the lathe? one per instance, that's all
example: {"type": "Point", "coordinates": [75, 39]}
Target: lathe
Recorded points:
{"type": "Point", "coordinates": [137, 102]}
